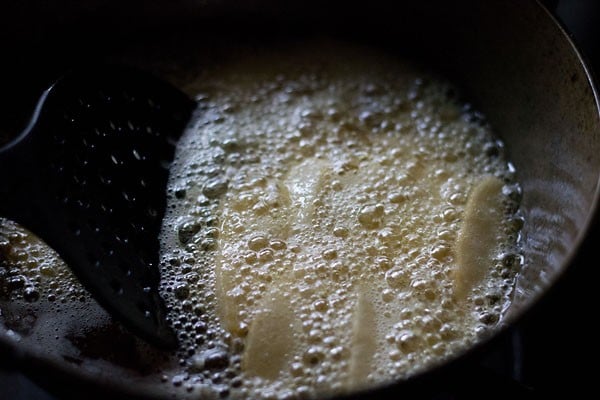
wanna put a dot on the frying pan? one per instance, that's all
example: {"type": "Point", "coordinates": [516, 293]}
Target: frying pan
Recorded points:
{"type": "Point", "coordinates": [510, 58]}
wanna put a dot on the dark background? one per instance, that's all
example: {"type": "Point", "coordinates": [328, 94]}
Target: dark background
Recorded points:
{"type": "Point", "coordinates": [555, 348]}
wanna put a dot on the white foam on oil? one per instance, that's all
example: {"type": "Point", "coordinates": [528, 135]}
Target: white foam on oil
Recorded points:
{"type": "Point", "coordinates": [315, 207]}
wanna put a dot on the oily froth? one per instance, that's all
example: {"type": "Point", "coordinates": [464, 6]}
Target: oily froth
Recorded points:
{"type": "Point", "coordinates": [337, 219]}
{"type": "Point", "coordinates": [316, 208]}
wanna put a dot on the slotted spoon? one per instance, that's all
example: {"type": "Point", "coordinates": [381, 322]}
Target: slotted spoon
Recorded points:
{"type": "Point", "coordinates": [88, 176]}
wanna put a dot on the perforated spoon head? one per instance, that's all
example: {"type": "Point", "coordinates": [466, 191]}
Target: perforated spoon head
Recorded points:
{"type": "Point", "coordinates": [89, 177]}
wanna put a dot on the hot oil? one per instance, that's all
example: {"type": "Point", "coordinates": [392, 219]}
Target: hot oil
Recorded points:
{"type": "Point", "coordinates": [46, 311]}
{"type": "Point", "coordinates": [337, 219]}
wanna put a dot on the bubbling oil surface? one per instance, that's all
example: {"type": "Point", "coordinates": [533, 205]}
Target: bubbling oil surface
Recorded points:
{"type": "Point", "coordinates": [337, 219]}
